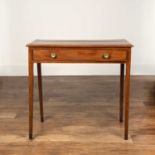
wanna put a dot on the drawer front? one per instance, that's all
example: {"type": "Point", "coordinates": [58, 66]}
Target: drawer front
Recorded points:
{"type": "Point", "coordinates": [79, 55]}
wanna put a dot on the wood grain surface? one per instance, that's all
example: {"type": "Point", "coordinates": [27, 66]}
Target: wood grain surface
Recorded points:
{"type": "Point", "coordinates": [80, 43]}
{"type": "Point", "coordinates": [94, 51]}
{"type": "Point", "coordinates": [81, 117]}
{"type": "Point", "coordinates": [76, 55]}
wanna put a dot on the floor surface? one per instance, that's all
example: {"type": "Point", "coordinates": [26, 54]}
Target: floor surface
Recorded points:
{"type": "Point", "coordinates": [81, 117]}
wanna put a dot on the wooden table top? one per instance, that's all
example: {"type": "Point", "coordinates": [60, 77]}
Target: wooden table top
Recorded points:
{"type": "Point", "coordinates": [80, 43]}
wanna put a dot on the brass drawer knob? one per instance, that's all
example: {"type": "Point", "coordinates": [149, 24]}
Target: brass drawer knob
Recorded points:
{"type": "Point", "coordinates": [106, 56]}
{"type": "Point", "coordinates": [53, 55]}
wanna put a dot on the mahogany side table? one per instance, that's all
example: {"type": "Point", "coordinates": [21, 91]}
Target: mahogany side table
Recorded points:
{"type": "Point", "coordinates": [97, 51]}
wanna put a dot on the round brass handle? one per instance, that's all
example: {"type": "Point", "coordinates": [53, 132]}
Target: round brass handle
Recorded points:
{"type": "Point", "coordinates": [106, 56]}
{"type": "Point", "coordinates": [53, 55]}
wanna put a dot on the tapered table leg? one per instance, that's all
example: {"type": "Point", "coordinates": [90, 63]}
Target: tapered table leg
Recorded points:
{"type": "Point", "coordinates": [31, 79]}
{"type": "Point", "coordinates": [127, 94]}
{"type": "Point", "coordinates": [40, 91]}
{"type": "Point", "coordinates": [121, 92]}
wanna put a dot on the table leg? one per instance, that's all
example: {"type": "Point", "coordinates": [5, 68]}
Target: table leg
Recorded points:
{"type": "Point", "coordinates": [121, 92]}
{"type": "Point", "coordinates": [127, 93]}
{"type": "Point", "coordinates": [40, 91]}
{"type": "Point", "coordinates": [31, 79]}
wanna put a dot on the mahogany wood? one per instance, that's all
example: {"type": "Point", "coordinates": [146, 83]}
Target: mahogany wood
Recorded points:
{"type": "Point", "coordinates": [121, 91]}
{"type": "Point", "coordinates": [81, 43]}
{"type": "Point", "coordinates": [114, 51]}
{"type": "Point", "coordinates": [31, 79]}
{"type": "Point", "coordinates": [127, 93]}
{"type": "Point", "coordinates": [76, 55]}
{"type": "Point", "coordinates": [40, 91]}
